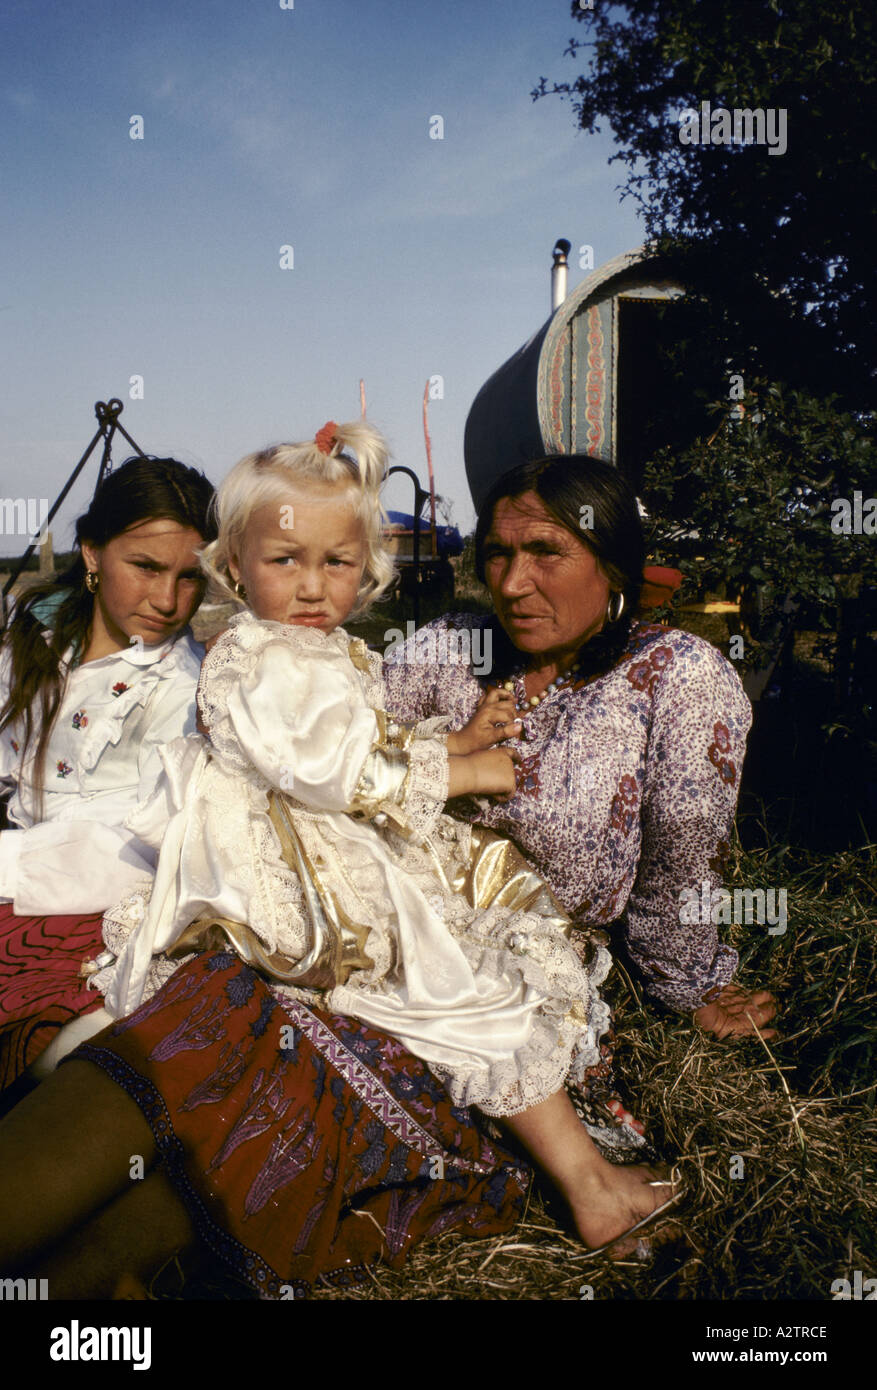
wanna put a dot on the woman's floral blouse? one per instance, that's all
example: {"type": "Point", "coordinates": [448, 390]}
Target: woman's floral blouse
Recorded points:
{"type": "Point", "coordinates": [628, 791]}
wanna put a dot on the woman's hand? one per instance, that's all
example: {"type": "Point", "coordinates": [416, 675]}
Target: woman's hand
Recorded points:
{"type": "Point", "coordinates": [493, 720]}
{"type": "Point", "coordinates": [735, 1011]}
{"type": "Point", "coordinates": [489, 772]}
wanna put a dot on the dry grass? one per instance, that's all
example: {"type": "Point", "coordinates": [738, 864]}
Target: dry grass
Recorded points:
{"type": "Point", "coordinates": [799, 1112]}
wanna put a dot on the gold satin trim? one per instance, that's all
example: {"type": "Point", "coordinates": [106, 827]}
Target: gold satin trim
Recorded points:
{"type": "Point", "coordinates": [216, 933]}
{"type": "Point", "coordinates": [337, 943]}
{"type": "Point", "coordinates": [357, 650]}
{"type": "Point", "coordinates": [497, 872]}
{"type": "Point", "coordinates": [382, 785]}
{"type": "Point", "coordinates": [391, 734]}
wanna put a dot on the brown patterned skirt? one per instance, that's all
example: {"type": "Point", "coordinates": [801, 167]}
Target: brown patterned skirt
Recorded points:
{"type": "Point", "coordinates": [302, 1144]}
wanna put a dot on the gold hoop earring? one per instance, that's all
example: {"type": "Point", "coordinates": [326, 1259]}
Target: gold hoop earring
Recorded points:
{"type": "Point", "coordinates": [92, 581]}
{"type": "Point", "coordinates": [240, 592]}
{"type": "Point", "coordinates": [613, 617]}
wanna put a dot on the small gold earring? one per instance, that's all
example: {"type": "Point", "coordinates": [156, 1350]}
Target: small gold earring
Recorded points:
{"type": "Point", "coordinates": [92, 580]}
{"type": "Point", "coordinates": [240, 591]}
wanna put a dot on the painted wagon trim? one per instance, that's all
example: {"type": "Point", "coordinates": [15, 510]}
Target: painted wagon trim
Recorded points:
{"type": "Point", "coordinates": [567, 373]}
{"type": "Point", "coordinates": [634, 275]}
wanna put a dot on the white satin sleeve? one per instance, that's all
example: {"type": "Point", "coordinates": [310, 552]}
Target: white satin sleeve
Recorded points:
{"type": "Point", "coordinates": [299, 718]}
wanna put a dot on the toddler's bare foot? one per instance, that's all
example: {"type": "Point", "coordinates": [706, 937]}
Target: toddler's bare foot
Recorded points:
{"type": "Point", "coordinates": [615, 1197]}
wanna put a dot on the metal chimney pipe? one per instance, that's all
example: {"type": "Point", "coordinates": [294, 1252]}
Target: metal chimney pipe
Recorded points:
{"type": "Point", "coordinates": [559, 271]}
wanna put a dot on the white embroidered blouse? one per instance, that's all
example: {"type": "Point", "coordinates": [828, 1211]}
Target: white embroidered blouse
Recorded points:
{"type": "Point", "coordinates": [102, 758]}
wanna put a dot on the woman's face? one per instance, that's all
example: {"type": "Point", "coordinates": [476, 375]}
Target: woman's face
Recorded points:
{"type": "Point", "coordinates": [150, 584]}
{"type": "Point", "coordinates": [547, 586]}
{"type": "Point", "coordinates": [301, 561]}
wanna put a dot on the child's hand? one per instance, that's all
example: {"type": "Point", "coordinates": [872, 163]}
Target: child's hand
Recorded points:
{"type": "Point", "coordinates": [494, 719]}
{"type": "Point", "coordinates": [489, 772]}
{"type": "Point", "coordinates": [494, 770]}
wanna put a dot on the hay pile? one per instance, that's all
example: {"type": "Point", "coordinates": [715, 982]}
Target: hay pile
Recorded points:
{"type": "Point", "coordinates": [798, 1111]}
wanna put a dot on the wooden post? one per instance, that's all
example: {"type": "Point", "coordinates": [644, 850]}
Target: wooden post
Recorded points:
{"type": "Point", "coordinates": [47, 558]}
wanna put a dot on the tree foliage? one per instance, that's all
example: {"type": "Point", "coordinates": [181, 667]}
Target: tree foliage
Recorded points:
{"type": "Point", "coordinates": [784, 241]}
{"type": "Point", "coordinates": [767, 505]}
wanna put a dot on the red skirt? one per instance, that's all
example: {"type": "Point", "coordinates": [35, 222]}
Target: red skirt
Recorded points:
{"type": "Point", "coordinates": [302, 1143]}
{"type": "Point", "coordinates": [41, 988]}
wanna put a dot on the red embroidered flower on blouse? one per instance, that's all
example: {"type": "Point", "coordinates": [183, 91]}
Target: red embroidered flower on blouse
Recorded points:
{"type": "Point", "coordinates": [527, 776]}
{"type": "Point", "coordinates": [63, 768]}
{"type": "Point", "coordinates": [119, 688]}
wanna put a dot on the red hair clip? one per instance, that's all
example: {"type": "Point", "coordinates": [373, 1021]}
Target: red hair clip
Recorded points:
{"type": "Point", "coordinates": [325, 438]}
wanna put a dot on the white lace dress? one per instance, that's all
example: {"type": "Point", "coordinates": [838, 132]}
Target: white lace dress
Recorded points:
{"type": "Point", "coordinates": [481, 984]}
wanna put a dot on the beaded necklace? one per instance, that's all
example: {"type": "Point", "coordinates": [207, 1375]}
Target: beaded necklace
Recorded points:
{"type": "Point", "coordinates": [532, 701]}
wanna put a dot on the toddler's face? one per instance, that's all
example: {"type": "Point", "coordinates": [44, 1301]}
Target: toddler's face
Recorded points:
{"type": "Point", "coordinates": [301, 562]}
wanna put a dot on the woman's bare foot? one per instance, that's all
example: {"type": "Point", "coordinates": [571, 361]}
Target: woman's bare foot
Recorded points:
{"type": "Point", "coordinates": [612, 1198]}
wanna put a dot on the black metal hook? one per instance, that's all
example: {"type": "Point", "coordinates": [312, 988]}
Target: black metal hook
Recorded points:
{"type": "Point", "coordinates": [108, 412]}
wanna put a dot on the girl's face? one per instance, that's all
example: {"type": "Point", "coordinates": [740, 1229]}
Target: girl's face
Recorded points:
{"type": "Point", "coordinates": [301, 561]}
{"type": "Point", "coordinates": [150, 584]}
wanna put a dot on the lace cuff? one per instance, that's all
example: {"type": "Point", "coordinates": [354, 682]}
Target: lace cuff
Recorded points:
{"type": "Point", "coordinates": [405, 777]}
{"type": "Point", "coordinates": [426, 787]}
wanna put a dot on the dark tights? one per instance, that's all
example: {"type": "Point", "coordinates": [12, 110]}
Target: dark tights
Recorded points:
{"type": "Point", "coordinates": [70, 1210]}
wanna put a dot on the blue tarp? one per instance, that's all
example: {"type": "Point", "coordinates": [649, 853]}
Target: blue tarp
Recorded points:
{"type": "Point", "coordinates": [448, 538]}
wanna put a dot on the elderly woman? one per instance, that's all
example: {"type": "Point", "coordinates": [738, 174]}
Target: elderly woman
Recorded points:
{"type": "Point", "coordinates": [631, 735]}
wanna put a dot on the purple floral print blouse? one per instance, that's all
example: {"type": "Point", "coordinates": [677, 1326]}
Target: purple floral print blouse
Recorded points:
{"type": "Point", "coordinates": [629, 786]}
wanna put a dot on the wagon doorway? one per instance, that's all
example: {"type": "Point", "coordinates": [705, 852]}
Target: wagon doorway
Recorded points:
{"type": "Point", "coordinates": [662, 392]}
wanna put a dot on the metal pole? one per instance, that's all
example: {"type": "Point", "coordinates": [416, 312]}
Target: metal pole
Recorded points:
{"type": "Point", "coordinates": [420, 496]}
{"type": "Point", "coordinates": [559, 273]}
{"type": "Point", "coordinates": [429, 470]}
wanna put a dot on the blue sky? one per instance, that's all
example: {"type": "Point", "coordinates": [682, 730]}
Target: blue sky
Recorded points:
{"type": "Point", "coordinates": [265, 127]}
